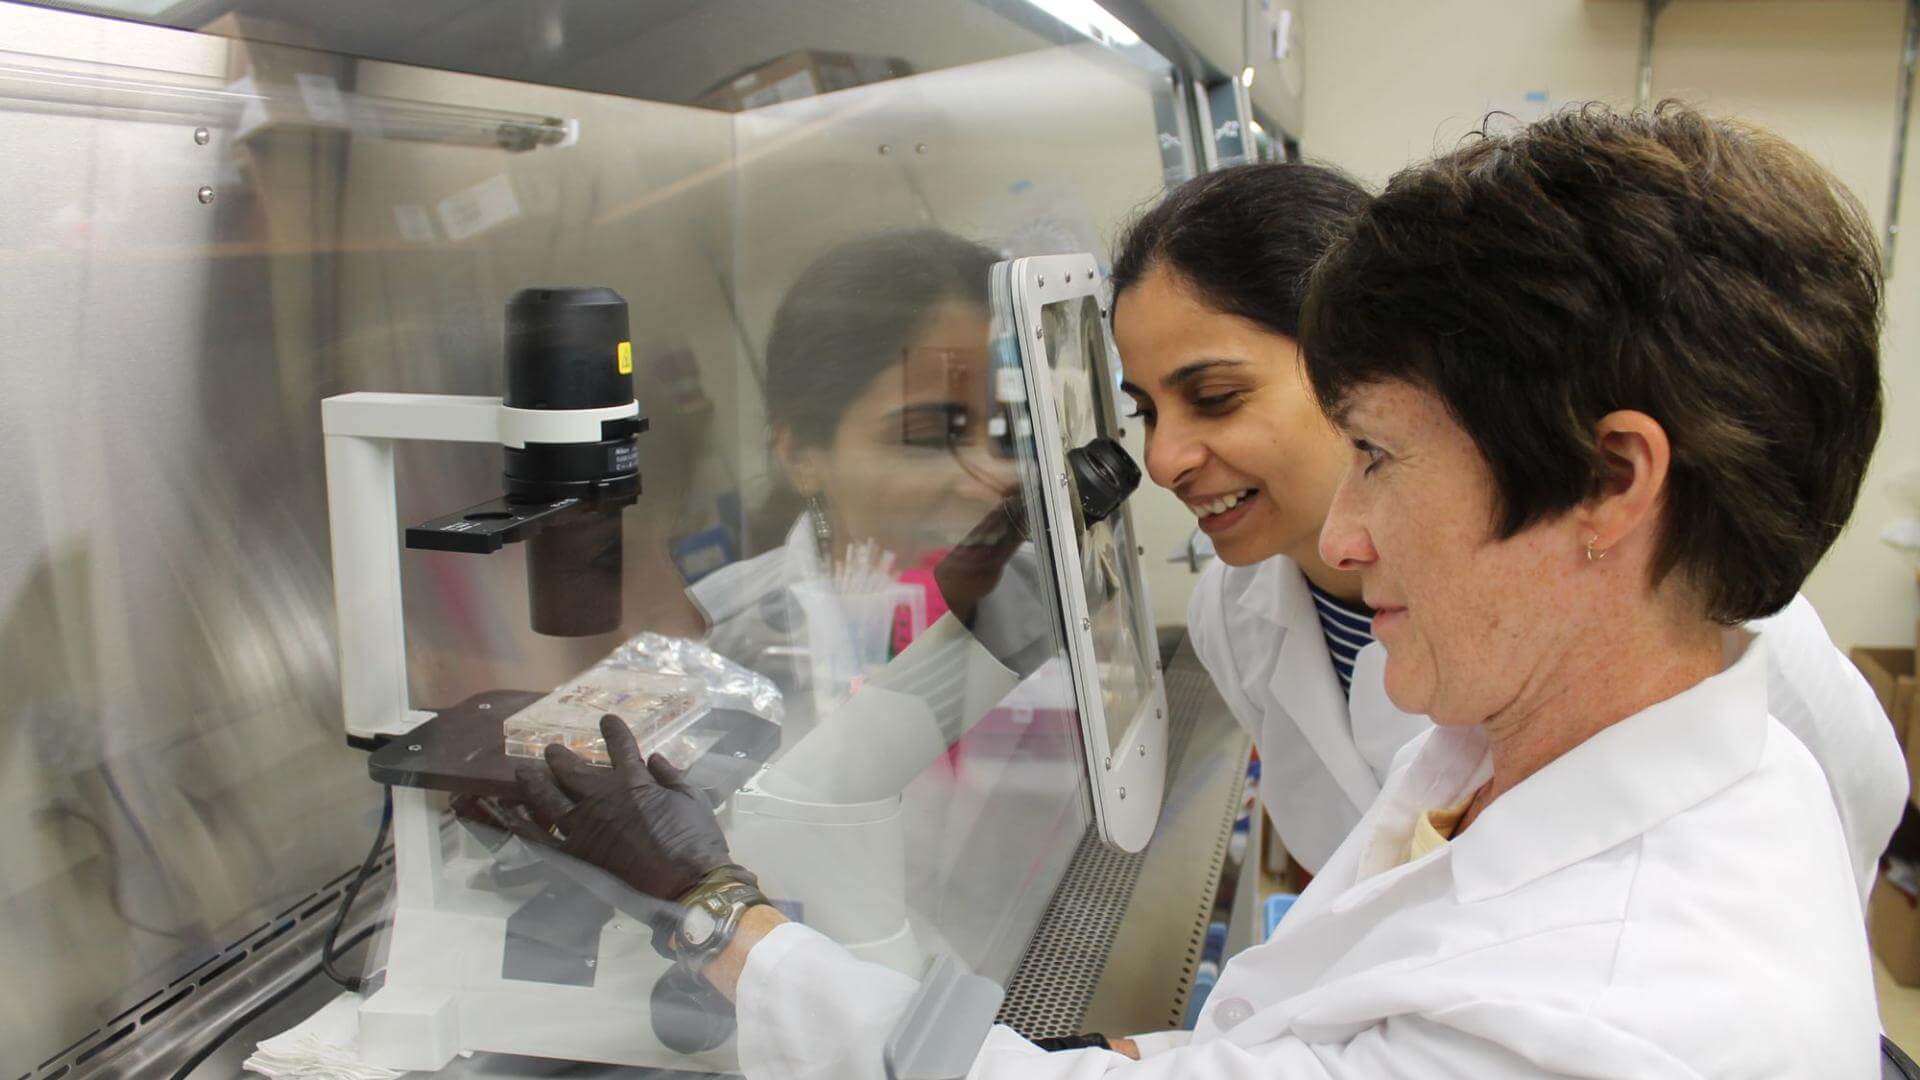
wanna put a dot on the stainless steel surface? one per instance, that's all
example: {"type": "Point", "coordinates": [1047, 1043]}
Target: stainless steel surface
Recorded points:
{"type": "Point", "coordinates": [1120, 942]}
{"type": "Point", "coordinates": [41, 82]}
{"type": "Point", "coordinates": [172, 752]}
{"type": "Point", "coordinates": [660, 50]}
{"type": "Point", "coordinates": [1208, 37]}
{"type": "Point", "coordinates": [178, 1025]}
{"type": "Point", "coordinates": [1211, 40]}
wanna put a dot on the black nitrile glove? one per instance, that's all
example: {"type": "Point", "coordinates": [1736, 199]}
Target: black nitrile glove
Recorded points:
{"type": "Point", "coordinates": [972, 569]}
{"type": "Point", "coordinates": [639, 821]}
{"type": "Point", "coordinates": [991, 582]}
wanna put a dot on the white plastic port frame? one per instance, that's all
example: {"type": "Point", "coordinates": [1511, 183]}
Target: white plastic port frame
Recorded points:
{"type": "Point", "coordinates": [1125, 748]}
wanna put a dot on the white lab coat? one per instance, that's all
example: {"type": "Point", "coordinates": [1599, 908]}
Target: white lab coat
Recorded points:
{"type": "Point", "coordinates": [1669, 899]}
{"type": "Point", "coordinates": [1256, 631]}
{"type": "Point", "coordinates": [1819, 695]}
{"type": "Point", "coordinates": [1815, 692]}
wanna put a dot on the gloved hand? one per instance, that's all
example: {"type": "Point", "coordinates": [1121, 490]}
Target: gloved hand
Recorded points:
{"type": "Point", "coordinates": [638, 821]}
{"type": "Point", "coordinates": [973, 568]}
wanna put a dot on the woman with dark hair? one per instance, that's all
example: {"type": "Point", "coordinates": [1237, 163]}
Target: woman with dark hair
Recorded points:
{"type": "Point", "coordinates": [896, 565]}
{"type": "Point", "coordinates": [1209, 293]}
{"type": "Point", "coordinates": [874, 384]}
{"type": "Point", "coordinates": [1610, 385]}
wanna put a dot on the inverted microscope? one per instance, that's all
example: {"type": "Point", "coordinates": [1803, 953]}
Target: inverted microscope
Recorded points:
{"type": "Point", "coordinates": [495, 946]}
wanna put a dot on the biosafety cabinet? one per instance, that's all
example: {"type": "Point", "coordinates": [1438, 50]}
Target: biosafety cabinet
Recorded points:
{"type": "Point", "coordinates": [389, 387]}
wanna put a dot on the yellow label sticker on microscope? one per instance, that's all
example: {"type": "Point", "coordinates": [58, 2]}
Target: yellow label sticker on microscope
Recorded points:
{"type": "Point", "coordinates": [626, 358]}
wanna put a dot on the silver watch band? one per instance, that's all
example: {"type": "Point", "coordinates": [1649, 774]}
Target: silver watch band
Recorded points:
{"type": "Point", "coordinates": [727, 901]}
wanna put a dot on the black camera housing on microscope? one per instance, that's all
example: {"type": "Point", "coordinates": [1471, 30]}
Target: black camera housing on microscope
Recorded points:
{"type": "Point", "coordinates": [563, 349]}
{"type": "Point", "coordinates": [567, 350]}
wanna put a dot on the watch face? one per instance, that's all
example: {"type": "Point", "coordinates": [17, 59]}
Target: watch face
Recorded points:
{"type": "Point", "coordinates": [698, 925]}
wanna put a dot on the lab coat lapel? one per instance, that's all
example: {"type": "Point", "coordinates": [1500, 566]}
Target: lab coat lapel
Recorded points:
{"type": "Point", "coordinates": [1621, 782]}
{"type": "Point", "coordinates": [1305, 685]}
{"type": "Point", "coordinates": [1451, 763]}
{"type": "Point", "coordinates": [1613, 787]}
{"type": "Point", "coordinates": [1338, 907]}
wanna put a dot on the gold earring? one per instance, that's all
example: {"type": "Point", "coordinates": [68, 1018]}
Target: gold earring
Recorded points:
{"type": "Point", "coordinates": [1591, 557]}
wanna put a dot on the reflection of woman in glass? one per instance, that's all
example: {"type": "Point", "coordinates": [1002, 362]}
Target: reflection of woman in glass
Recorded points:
{"type": "Point", "coordinates": [876, 369]}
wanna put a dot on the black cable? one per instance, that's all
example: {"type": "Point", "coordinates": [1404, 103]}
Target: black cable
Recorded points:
{"type": "Point", "coordinates": [353, 983]}
{"type": "Point", "coordinates": [329, 951]}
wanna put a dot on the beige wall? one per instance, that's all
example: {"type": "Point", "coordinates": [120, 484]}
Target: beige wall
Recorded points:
{"type": "Point", "coordinates": [1391, 81]}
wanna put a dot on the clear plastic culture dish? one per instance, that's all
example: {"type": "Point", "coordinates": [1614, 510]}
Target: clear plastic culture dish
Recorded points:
{"type": "Point", "coordinates": [658, 709]}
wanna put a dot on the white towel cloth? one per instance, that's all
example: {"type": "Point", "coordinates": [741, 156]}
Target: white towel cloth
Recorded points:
{"type": "Point", "coordinates": [324, 1046]}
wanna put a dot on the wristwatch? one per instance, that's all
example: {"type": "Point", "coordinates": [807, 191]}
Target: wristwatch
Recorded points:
{"type": "Point", "coordinates": [711, 913]}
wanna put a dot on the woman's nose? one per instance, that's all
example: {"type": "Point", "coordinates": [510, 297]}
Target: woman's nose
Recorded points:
{"type": "Point", "coordinates": [1173, 454]}
{"type": "Point", "coordinates": [1345, 543]}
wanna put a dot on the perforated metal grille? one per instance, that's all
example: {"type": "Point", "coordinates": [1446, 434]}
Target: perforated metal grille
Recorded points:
{"type": "Point", "coordinates": [1050, 990]}
{"type": "Point", "coordinates": [1189, 689]}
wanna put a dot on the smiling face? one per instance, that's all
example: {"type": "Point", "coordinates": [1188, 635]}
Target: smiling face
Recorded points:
{"type": "Point", "coordinates": [1232, 428]}
{"type": "Point", "coordinates": [1471, 624]}
{"type": "Point", "coordinates": [908, 466]}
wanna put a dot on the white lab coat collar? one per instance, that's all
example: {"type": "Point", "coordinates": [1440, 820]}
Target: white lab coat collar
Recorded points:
{"type": "Point", "coordinates": [733, 589]}
{"type": "Point", "coordinates": [1615, 786]}
{"type": "Point", "coordinates": [1303, 675]}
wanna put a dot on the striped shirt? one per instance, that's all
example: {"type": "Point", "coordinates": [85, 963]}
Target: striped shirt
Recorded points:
{"type": "Point", "coordinates": [1348, 628]}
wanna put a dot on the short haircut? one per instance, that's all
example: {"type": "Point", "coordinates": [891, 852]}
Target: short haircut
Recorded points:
{"type": "Point", "coordinates": [1703, 272]}
{"type": "Point", "coordinates": [1243, 238]}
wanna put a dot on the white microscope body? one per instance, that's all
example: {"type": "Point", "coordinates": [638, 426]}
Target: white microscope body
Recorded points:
{"type": "Point", "coordinates": [821, 825]}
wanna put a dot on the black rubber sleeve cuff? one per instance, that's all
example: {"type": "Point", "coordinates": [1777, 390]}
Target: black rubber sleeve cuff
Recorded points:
{"type": "Point", "coordinates": [1073, 1042]}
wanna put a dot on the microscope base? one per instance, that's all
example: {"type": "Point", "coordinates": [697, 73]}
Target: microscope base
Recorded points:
{"type": "Point", "coordinates": [586, 987]}
{"type": "Point", "coordinates": [583, 987]}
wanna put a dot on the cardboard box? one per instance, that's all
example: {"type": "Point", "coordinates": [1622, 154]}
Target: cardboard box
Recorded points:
{"type": "Point", "coordinates": [1893, 925]}
{"type": "Point", "coordinates": [799, 74]}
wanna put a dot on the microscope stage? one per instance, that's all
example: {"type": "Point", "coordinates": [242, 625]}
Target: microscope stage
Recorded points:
{"type": "Point", "coordinates": [462, 749]}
